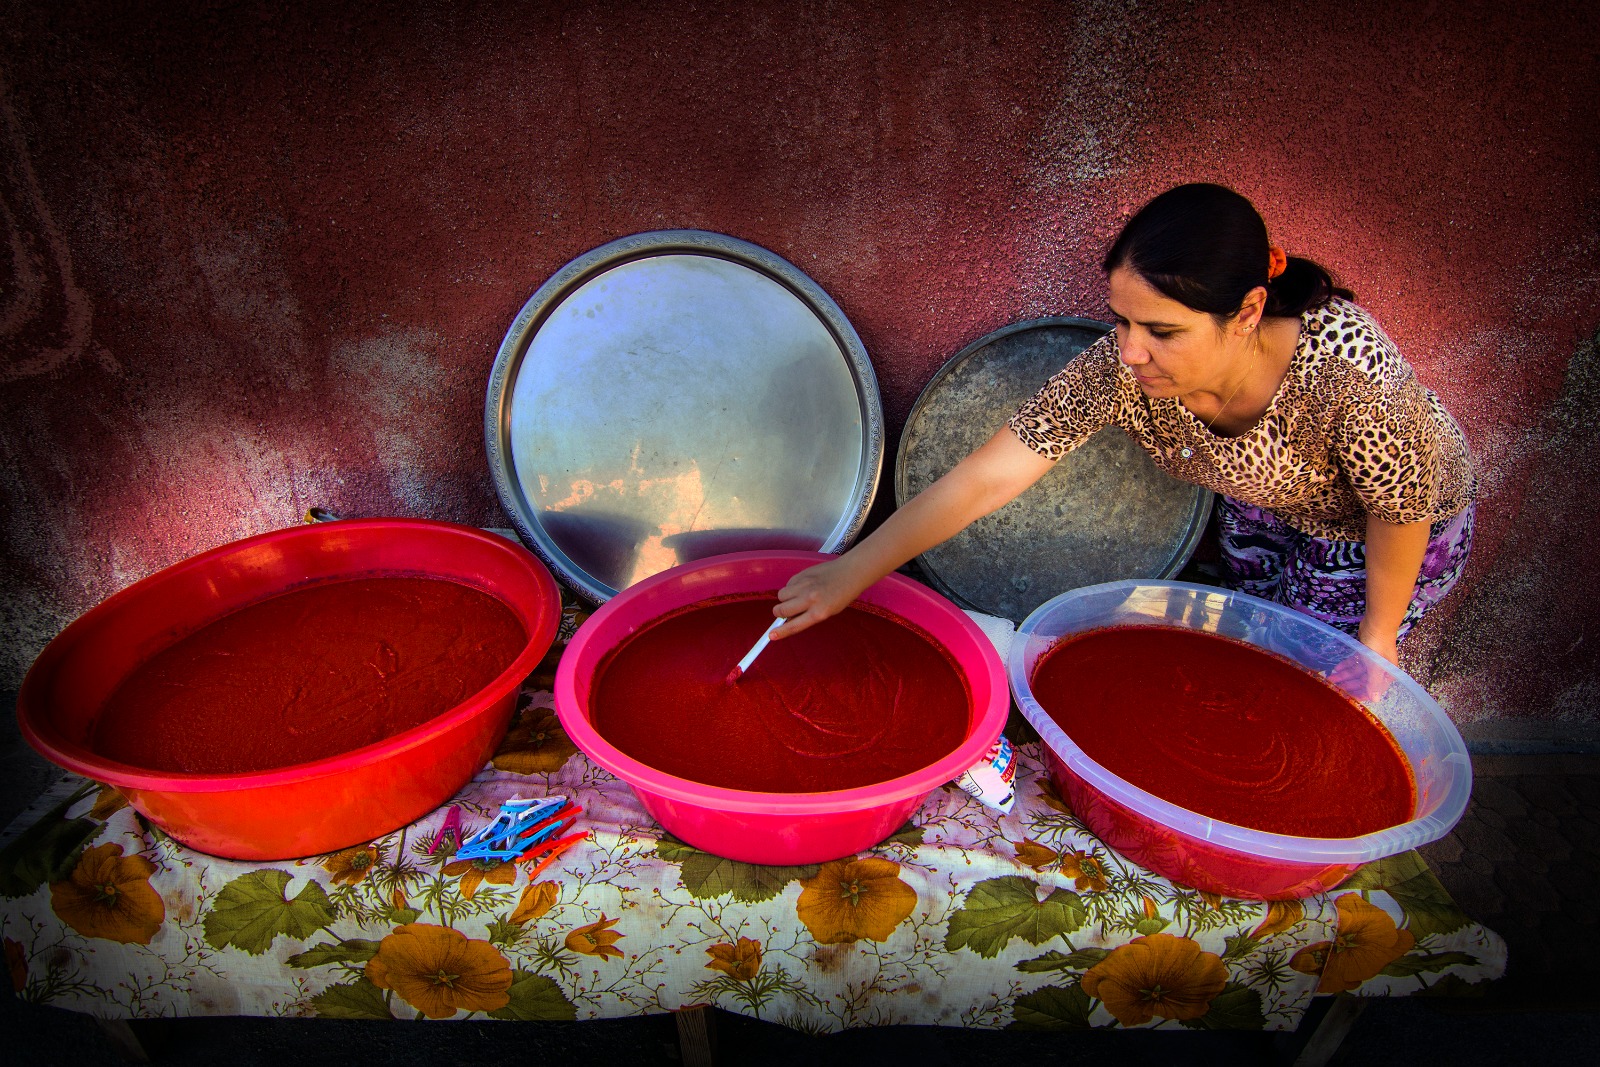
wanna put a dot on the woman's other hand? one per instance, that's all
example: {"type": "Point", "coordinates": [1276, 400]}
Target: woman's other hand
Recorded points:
{"type": "Point", "coordinates": [1358, 675]}
{"type": "Point", "coordinates": [1394, 559]}
{"type": "Point", "coordinates": [1382, 640]}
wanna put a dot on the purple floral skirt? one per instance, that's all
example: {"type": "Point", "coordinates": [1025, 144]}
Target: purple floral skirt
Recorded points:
{"type": "Point", "coordinates": [1266, 557]}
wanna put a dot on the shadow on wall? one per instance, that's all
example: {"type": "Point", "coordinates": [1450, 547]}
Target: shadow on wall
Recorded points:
{"type": "Point", "coordinates": [1519, 640]}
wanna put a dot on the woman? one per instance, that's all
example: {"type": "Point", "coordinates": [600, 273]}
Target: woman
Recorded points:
{"type": "Point", "coordinates": [1346, 488]}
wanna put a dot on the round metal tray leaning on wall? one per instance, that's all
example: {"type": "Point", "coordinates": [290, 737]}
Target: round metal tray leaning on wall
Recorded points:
{"type": "Point", "coordinates": [1105, 513]}
{"type": "Point", "coordinates": [675, 395]}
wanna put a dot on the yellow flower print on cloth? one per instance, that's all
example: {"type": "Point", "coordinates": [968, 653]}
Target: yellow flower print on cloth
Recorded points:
{"type": "Point", "coordinates": [108, 895]}
{"type": "Point", "coordinates": [855, 899]}
{"type": "Point", "coordinates": [741, 961]}
{"type": "Point", "coordinates": [351, 865]}
{"type": "Point", "coordinates": [1157, 975]}
{"type": "Point", "coordinates": [1366, 943]}
{"type": "Point", "coordinates": [1034, 854]}
{"type": "Point", "coordinates": [596, 939]}
{"type": "Point", "coordinates": [535, 745]}
{"type": "Point", "coordinates": [474, 873]}
{"type": "Point", "coordinates": [109, 801]}
{"type": "Point", "coordinates": [1052, 796]}
{"type": "Point", "coordinates": [1281, 915]}
{"type": "Point", "coordinates": [440, 971]}
{"type": "Point", "coordinates": [1087, 871]}
{"type": "Point", "coordinates": [536, 900]}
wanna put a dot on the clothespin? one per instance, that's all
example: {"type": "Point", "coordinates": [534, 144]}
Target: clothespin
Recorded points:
{"type": "Point", "coordinates": [549, 827]}
{"type": "Point", "coordinates": [451, 826]}
{"type": "Point", "coordinates": [504, 836]}
{"type": "Point", "coordinates": [550, 851]}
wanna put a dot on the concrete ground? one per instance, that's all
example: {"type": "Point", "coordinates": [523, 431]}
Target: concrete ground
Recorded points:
{"type": "Point", "coordinates": [1523, 861]}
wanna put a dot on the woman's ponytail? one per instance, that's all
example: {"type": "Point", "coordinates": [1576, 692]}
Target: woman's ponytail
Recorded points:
{"type": "Point", "coordinates": [1303, 285]}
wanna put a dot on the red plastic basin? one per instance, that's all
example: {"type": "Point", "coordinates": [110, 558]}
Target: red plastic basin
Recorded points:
{"type": "Point", "coordinates": [778, 828]}
{"type": "Point", "coordinates": [307, 808]}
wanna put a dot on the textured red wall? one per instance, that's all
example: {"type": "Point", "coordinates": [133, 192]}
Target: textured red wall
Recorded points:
{"type": "Point", "coordinates": [259, 261]}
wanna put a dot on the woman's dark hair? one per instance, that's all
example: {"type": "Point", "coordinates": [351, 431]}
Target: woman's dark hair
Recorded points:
{"type": "Point", "coordinates": [1205, 246]}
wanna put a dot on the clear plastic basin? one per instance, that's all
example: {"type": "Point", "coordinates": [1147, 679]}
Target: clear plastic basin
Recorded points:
{"type": "Point", "coordinates": [1206, 853]}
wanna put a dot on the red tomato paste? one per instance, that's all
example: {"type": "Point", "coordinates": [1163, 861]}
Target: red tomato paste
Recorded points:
{"type": "Point", "coordinates": [308, 674]}
{"type": "Point", "coordinates": [1226, 730]}
{"type": "Point", "coordinates": [859, 699]}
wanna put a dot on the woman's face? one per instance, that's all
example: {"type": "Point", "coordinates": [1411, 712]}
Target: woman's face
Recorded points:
{"type": "Point", "coordinates": [1170, 349]}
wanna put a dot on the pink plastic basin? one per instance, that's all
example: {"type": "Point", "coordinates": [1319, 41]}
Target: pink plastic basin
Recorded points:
{"type": "Point", "coordinates": [1208, 853]}
{"type": "Point", "coordinates": [777, 828]}
{"type": "Point", "coordinates": [307, 808]}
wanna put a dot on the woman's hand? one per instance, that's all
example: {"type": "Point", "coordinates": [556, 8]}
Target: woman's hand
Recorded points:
{"type": "Point", "coordinates": [1382, 640]}
{"type": "Point", "coordinates": [993, 474]}
{"type": "Point", "coordinates": [1394, 559]}
{"type": "Point", "coordinates": [816, 593]}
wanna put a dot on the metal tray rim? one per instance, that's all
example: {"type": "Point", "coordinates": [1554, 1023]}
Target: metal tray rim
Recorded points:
{"type": "Point", "coordinates": [1204, 499]}
{"type": "Point", "coordinates": [643, 245]}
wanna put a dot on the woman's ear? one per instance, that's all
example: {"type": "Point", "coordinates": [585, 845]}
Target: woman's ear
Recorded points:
{"type": "Point", "coordinates": [1248, 317]}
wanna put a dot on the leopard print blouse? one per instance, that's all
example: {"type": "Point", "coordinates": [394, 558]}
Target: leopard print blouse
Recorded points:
{"type": "Point", "coordinates": [1350, 432]}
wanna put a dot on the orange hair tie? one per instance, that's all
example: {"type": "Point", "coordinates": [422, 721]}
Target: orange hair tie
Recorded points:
{"type": "Point", "coordinates": [1276, 261]}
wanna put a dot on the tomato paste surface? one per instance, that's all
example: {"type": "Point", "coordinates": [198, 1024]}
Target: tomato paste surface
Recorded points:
{"type": "Point", "coordinates": [858, 699]}
{"type": "Point", "coordinates": [308, 674]}
{"type": "Point", "coordinates": [1226, 730]}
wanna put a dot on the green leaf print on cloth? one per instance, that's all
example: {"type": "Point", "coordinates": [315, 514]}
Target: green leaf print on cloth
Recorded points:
{"type": "Point", "coordinates": [251, 911]}
{"type": "Point", "coordinates": [1380, 874]}
{"type": "Point", "coordinates": [999, 909]}
{"type": "Point", "coordinates": [1428, 907]}
{"type": "Point", "coordinates": [706, 876]}
{"type": "Point", "coordinates": [354, 950]}
{"type": "Point", "coordinates": [1053, 1008]}
{"type": "Point", "coordinates": [535, 998]}
{"type": "Point", "coordinates": [910, 835]}
{"type": "Point", "coordinates": [46, 851]}
{"type": "Point", "coordinates": [357, 1000]}
{"type": "Point", "coordinates": [1081, 960]}
{"type": "Point", "coordinates": [1406, 966]}
{"type": "Point", "coordinates": [1237, 1007]}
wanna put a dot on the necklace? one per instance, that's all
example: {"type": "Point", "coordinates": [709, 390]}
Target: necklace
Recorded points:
{"type": "Point", "coordinates": [1186, 452]}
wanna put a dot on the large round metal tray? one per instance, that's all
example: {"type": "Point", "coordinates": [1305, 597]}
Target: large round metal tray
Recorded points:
{"type": "Point", "coordinates": [680, 394]}
{"type": "Point", "coordinates": [1106, 512]}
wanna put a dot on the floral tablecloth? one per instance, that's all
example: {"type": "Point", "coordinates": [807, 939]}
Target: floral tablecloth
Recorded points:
{"type": "Point", "coordinates": [962, 918]}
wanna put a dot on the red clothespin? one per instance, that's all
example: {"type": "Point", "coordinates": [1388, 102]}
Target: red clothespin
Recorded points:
{"type": "Point", "coordinates": [566, 814]}
{"type": "Point", "coordinates": [550, 850]}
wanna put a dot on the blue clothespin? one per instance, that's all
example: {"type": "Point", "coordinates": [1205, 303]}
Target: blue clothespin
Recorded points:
{"type": "Point", "coordinates": [508, 834]}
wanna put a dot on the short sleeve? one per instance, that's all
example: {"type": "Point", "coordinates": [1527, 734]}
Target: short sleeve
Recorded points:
{"type": "Point", "coordinates": [1078, 400]}
{"type": "Point", "coordinates": [1388, 447]}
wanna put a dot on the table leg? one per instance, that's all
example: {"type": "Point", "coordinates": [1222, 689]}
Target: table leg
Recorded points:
{"type": "Point", "coordinates": [1326, 1023]}
{"type": "Point", "coordinates": [126, 1041]}
{"type": "Point", "coordinates": [697, 1036]}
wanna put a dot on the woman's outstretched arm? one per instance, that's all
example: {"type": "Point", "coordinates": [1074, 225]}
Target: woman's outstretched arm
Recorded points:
{"type": "Point", "coordinates": [991, 476]}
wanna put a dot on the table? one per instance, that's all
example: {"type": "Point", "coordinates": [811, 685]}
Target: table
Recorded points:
{"type": "Point", "coordinates": [962, 918]}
